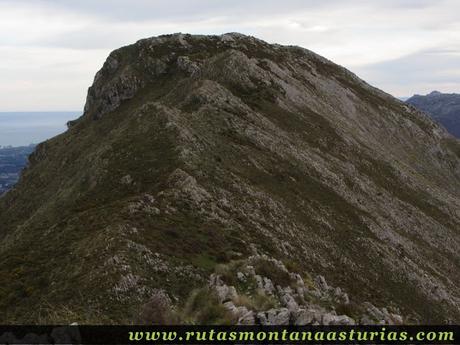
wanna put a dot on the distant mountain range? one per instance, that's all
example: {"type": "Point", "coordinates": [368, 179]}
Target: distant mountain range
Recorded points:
{"type": "Point", "coordinates": [443, 107]}
{"type": "Point", "coordinates": [12, 161]}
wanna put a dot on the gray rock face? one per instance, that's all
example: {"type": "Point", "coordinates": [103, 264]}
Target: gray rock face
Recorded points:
{"type": "Point", "coordinates": [443, 107]}
{"type": "Point", "coordinates": [321, 283]}
{"type": "Point", "coordinates": [245, 148]}
{"type": "Point", "coordinates": [242, 314]}
{"type": "Point", "coordinates": [339, 320]}
{"type": "Point", "coordinates": [304, 317]}
{"type": "Point", "coordinates": [224, 293]}
{"type": "Point", "coordinates": [380, 316]}
{"type": "Point", "coordinates": [274, 317]}
{"type": "Point", "coordinates": [247, 319]}
{"type": "Point", "coordinates": [104, 98]}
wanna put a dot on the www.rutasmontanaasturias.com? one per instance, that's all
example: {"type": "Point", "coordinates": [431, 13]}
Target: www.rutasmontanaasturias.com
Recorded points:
{"type": "Point", "coordinates": [291, 336]}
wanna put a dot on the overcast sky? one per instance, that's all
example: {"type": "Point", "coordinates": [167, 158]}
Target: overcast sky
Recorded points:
{"type": "Point", "coordinates": [50, 50]}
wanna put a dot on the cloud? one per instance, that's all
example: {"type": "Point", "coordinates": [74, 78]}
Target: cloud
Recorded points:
{"type": "Point", "coordinates": [53, 48]}
{"type": "Point", "coordinates": [36, 78]}
{"type": "Point", "coordinates": [435, 69]}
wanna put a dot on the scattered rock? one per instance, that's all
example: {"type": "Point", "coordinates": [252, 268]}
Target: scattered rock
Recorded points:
{"type": "Point", "coordinates": [292, 299]}
{"type": "Point", "coordinates": [127, 180]}
{"type": "Point", "coordinates": [247, 319]}
{"type": "Point", "coordinates": [241, 277]}
{"type": "Point", "coordinates": [188, 66]}
{"type": "Point", "coordinates": [274, 317]}
{"type": "Point", "coordinates": [321, 283]}
{"type": "Point", "coordinates": [304, 317]}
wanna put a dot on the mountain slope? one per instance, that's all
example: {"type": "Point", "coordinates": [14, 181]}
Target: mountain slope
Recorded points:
{"type": "Point", "coordinates": [443, 107]}
{"type": "Point", "coordinates": [199, 150]}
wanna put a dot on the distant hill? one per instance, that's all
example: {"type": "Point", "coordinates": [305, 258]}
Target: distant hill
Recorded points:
{"type": "Point", "coordinates": [12, 161]}
{"type": "Point", "coordinates": [443, 107]}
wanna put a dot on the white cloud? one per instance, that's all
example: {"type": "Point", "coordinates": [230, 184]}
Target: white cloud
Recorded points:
{"type": "Point", "coordinates": [50, 50]}
{"type": "Point", "coordinates": [429, 70]}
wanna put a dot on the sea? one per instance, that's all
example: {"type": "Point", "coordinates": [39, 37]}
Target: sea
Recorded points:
{"type": "Point", "coordinates": [25, 128]}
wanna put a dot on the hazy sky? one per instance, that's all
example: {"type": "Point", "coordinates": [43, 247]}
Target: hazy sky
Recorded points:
{"type": "Point", "coordinates": [50, 49]}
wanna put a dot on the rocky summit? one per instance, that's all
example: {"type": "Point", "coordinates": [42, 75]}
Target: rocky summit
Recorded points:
{"type": "Point", "coordinates": [211, 178]}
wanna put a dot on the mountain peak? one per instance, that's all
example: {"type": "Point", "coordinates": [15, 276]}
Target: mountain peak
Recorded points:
{"type": "Point", "coordinates": [151, 60]}
{"type": "Point", "coordinates": [199, 152]}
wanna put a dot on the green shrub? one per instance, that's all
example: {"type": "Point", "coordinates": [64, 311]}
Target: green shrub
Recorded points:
{"type": "Point", "coordinates": [203, 308]}
{"type": "Point", "coordinates": [308, 281]}
{"type": "Point", "coordinates": [273, 272]}
{"type": "Point", "coordinates": [350, 309]}
{"type": "Point", "coordinates": [263, 301]}
{"type": "Point", "coordinates": [158, 311]}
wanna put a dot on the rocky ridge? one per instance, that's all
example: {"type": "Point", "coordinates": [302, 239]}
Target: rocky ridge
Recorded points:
{"type": "Point", "coordinates": [195, 151]}
{"type": "Point", "coordinates": [286, 298]}
{"type": "Point", "coordinates": [295, 301]}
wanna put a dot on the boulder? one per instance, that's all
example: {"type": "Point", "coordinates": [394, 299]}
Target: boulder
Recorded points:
{"type": "Point", "coordinates": [303, 317]}
{"type": "Point", "coordinates": [274, 317]}
{"type": "Point", "coordinates": [247, 319]}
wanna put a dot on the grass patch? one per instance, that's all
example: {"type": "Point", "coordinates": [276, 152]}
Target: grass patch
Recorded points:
{"type": "Point", "coordinates": [258, 301]}
{"type": "Point", "coordinates": [203, 308]}
{"type": "Point", "coordinates": [273, 272]}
